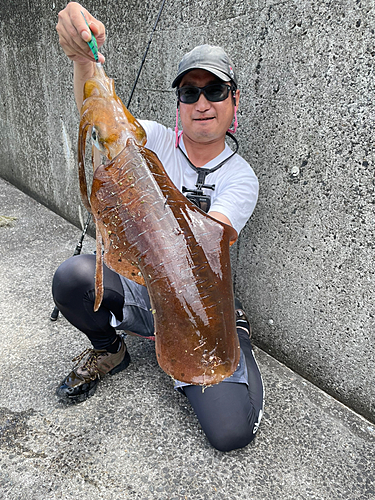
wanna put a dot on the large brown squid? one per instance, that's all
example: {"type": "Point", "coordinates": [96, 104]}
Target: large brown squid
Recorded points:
{"type": "Point", "coordinates": [155, 236]}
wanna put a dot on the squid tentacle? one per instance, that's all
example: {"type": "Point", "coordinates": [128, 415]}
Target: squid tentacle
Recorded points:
{"type": "Point", "coordinates": [83, 129]}
{"type": "Point", "coordinates": [98, 270]}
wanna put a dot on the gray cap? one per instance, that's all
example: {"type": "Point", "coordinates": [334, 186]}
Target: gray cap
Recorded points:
{"type": "Point", "coordinates": [210, 58]}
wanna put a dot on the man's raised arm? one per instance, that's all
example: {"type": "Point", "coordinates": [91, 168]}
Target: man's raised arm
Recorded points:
{"type": "Point", "coordinates": [73, 38]}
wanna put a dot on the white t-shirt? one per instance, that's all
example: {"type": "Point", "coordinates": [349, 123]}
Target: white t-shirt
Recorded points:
{"type": "Point", "coordinates": [236, 185]}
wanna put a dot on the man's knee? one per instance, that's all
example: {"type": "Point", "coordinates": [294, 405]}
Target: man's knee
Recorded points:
{"type": "Point", "coordinates": [231, 439]}
{"type": "Point", "coordinates": [76, 272]}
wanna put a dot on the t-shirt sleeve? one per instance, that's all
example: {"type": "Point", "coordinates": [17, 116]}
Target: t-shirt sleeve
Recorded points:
{"type": "Point", "coordinates": [237, 195]}
{"type": "Point", "coordinates": [157, 135]}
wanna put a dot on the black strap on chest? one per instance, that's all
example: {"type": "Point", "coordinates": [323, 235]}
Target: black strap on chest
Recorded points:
{"type": "Point", "coordinates": [203, 172]}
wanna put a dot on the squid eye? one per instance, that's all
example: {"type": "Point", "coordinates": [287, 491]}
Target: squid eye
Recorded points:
{"type": "Point", "coordinates": [95, 137]}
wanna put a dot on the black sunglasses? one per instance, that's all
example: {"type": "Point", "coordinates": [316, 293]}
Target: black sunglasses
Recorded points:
{"type": "Point", "coordinates": [215, 92]}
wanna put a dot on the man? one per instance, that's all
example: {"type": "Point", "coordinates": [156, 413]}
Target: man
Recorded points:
{"type": "Point", "coordinates": [208, 98]}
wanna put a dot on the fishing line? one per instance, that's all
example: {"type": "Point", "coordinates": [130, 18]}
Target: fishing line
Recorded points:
{"type": "Point", "coordinates": [93, 46]}
{"type": "Point", "coordinates": [145, 54]}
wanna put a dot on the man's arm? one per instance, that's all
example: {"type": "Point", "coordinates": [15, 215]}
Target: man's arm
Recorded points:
{"type": "Point", "coordinates": [73, 38]}
{"type": "Point", "coordinates": [220, 217]}
{"type": "Point", "coordinates": [223, 218]}
{"type": "Point", "coordinates": [82, 72]}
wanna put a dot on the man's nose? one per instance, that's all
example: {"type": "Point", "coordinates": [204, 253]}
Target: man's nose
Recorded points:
{"type": "Point", "coordinates": [203, 103]}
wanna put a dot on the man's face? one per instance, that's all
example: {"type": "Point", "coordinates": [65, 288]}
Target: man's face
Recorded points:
{"type": "Point", "coordinates": [205, 121]}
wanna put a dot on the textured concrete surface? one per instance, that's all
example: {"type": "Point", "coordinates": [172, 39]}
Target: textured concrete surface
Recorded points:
{"type": "Point", "coordinates": [137, 438]}
{"type": "Point", "coordinates": [306, 260]}
{"type": "Point", "coordinates": [304, 266]}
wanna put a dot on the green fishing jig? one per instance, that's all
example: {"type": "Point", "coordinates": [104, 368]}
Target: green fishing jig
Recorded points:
{"type": "Point", "coordinates": [92, 43]}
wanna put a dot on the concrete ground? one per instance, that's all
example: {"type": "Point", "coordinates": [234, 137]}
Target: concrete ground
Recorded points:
{"type": "Point", "coordinates": [137, 438]}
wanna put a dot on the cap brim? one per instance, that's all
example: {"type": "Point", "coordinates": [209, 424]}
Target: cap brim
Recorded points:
{"type": "Point", "coordinates": [223, 76]}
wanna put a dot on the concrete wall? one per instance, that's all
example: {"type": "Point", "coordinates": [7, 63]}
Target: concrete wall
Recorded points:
{"type": "Point", "coordinates": [304, 265]}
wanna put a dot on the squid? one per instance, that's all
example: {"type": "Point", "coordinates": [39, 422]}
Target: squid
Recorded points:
{"type": "Point", "coordinates": [148, 231]}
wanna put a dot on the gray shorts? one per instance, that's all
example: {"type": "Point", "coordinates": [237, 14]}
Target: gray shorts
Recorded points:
{"type": "Point", "coordinates": [137, 315]}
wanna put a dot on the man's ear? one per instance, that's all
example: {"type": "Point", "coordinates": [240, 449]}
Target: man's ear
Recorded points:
{"type": "Point", "coordinates": [237, 97]}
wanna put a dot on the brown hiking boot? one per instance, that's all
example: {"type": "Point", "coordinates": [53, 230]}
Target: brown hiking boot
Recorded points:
{"type": "Point", "coordinates": [81, 383]}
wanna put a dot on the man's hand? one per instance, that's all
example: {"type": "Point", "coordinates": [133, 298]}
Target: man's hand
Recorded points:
{"type": "Point", "coordinates": [74, 34]}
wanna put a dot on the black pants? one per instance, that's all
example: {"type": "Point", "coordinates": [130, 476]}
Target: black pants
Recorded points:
{"type": "Point", "coordinates": [229, 413]}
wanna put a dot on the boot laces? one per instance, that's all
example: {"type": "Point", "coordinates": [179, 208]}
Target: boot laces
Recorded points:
{"type": "Point", "coordinates": [91, 363]}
